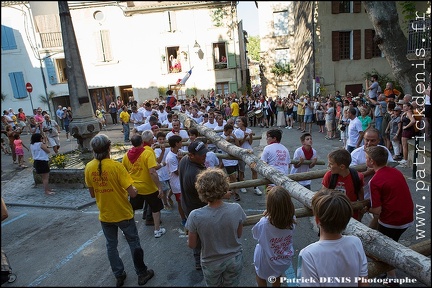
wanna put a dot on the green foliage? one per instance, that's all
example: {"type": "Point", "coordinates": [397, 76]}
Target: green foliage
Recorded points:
{"type": "Point", "coordinates": [281, 69]}
{"type": "Point", "coordinates": [43, 98]}
{"type": "Point", "coordinates": [408, 10]}
{"type": "Point", "coordinates": [217, 15]}
{"type": "Point", "coordinates": [383, 79]}
{"type": "Point", "coordinates": [162, 90]}
{"type": "Point", "coordinates": [253, 47]}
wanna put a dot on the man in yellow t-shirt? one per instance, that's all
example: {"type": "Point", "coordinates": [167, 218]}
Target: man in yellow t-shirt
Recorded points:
{"type": "Point", "coordinates": [110, 183]}
{"type": "Point", "coordinates": [125, 118]}
{"type": "Point", "coordinates": [140, 162]}
{"type": "Point", "coordinates": [235, 109]}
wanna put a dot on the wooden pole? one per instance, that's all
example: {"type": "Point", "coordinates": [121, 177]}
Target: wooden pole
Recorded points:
{"type": "Point", "coordinates": [375, 243]}
{"type": "Point", "coordinates": [376, 268]}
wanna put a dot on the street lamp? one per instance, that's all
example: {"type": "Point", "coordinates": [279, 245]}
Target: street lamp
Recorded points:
{"type": "Point", "coordinates": [196, 47]}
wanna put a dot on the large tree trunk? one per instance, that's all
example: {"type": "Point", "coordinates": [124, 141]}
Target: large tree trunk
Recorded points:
{"type": "Point", "coordinates": [376, 244]}
{"type": "Point", "coordinates": [392, 41]}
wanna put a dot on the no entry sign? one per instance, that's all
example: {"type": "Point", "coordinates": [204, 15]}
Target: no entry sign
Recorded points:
{"type": "Point", "coordinates": [29, 87]}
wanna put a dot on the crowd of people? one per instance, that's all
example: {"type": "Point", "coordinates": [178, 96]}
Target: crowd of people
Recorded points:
{"type": "Point", "coordinates": [181, 163]}
{"type": "Point", "coordinates": [201, 185]}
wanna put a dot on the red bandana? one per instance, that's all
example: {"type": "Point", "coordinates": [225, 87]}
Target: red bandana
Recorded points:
{"type": "Point", "coordinates": [308, 154]}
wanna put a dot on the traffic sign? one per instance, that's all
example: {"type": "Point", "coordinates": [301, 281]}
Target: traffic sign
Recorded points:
{"type": "Point", "coordinates": [29, 87]}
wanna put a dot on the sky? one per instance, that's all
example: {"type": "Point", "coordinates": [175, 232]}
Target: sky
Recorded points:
{"type": "Point", "coordinates": [248, 12]}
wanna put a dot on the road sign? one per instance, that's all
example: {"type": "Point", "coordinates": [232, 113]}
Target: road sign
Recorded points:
{"type": "Point", "coordinates": [29, 87]}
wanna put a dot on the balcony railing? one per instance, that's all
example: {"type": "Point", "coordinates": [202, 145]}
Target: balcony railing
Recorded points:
{"type": "Point", "coordinates": [419, 36]}
{"type": "Point", "coordinates": [51, 40]}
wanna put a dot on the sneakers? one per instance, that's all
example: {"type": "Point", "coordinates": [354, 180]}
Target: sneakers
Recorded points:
{"type": "Point", "coordinates": [158, 234]}
{"type": "Point", "coordinates": [403, 163]}
{"type": "Point", "coordinates": [243, 190]}
{"type": "Point", "coordinates": [143, 278]}
{"type": "Point", "coordinates": [258, 191]}
{"type": "Point", "coordinates": [120, 279]}
{"type": "Point", "coordinates": [236, 197]}
{"type": "Point", "coordinates": [68, 140]}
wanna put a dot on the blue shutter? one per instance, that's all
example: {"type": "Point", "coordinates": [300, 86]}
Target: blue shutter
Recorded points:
{"type": "Point", "coordinates": [52, 75]}
{"type": "Point", "coordinates": [18, 85]}
{"type": "Point", "coordinates": [7, 38]}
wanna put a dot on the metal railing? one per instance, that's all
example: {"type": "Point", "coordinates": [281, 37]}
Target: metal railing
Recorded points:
{"type": "Point", "coordinates": [419, 35]}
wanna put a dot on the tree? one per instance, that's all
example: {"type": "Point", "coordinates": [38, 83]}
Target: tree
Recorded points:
{"type": "Point", "coordinates": [392, 42]}
{"type": "Point", "coordinates": [253, 48]}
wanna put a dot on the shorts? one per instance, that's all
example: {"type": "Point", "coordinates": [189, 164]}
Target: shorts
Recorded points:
{"type": "Point", "coordinates": [152, 199]}
{"type": "Point", "coordinates": [241, 165]}
{"type": "Point", "coordinates": [41, 166]}
{"type": "Point", "coordinates": [231, 269]}
{"type": "Point", "coordinates": [231, 169]}
{"type": "Point", "coordinates": [300, 118]}
{"type": "Point", "coordinates": [54, 141]}
{"type": "Point", "coordinates": [178, 197]}
{"type": "Point", "coordinates": [66, 128]}
{"type": "Point", "coordinates": [308, 118]}
{"type": "Point", "coordinates": [165, 185]}
{"type": "Point", "coordinates": [329, 125]}
{"type": "Point", "coordinates": [393, 233]}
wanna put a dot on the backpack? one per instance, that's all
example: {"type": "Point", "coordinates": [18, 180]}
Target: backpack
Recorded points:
{"type": "Point", "coordinates": [355, 178]}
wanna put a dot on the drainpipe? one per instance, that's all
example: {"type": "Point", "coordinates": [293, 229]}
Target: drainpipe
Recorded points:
{"type": "Point", "coordinates": [313, 49]}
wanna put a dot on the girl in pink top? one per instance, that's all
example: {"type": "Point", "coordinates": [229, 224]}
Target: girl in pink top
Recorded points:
{"type": "Point", "coordinates": [19, 151]}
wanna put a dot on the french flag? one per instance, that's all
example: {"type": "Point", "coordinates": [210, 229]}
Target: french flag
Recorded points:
{"type": "Point", "coordinates": [186, 77]}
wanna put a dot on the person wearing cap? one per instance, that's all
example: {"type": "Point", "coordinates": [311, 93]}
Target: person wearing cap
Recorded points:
{"type": "Point", "coordinates": [52, 130]}
{"type": "Point", "coordinates": [59, 113]}
{"type": "Point", "coordinates": [115, 210]}
{"type": "Point", "coordinates": [67, 118]}
{"type": "Point", "coordinates": [189, 167]}
{"type": "Point", "coordinates": [395, 130]}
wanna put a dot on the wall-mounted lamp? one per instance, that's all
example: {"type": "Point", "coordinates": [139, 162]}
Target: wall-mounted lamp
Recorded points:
{"type": "Point", "coordinates": [196, 47]}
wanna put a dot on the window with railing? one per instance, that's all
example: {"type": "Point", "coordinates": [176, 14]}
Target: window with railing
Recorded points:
{"type": "Point", "coordinates": [419, 36]}
{"type": "Point", "coordinates": [220, 55]}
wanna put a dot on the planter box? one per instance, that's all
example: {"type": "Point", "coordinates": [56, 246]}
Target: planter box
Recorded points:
{"type": "Point", "coordinates": [69, 177]}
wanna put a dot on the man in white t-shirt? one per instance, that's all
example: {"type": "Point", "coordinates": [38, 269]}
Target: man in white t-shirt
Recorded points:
{"type": "Point", "coordinates": [358, 156]}
{"type": "Point", "coordinates": [177, 131]}
{"type": "Point", "coordinates": [355, 131]}
{"type": "Point", "coordinates": [137, 118]}
{"type": "Point", "coordinates": [211, 124]}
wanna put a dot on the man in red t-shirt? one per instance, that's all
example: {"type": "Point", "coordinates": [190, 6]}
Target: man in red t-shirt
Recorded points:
{"type": "Point", "coordinates": [391, 201]}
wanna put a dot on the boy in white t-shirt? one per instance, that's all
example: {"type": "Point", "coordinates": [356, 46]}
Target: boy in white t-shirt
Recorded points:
{"type": "Point", "coordinates": [332, 211]}
{"type": "Point", "coordinates": [231, 166]}
{"type": "Point", "coordinates": [172, 161]}
{"type": "Point", "coordinates": [305, 152]}
{"type": "Point", "coordinates": [162, 172]}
